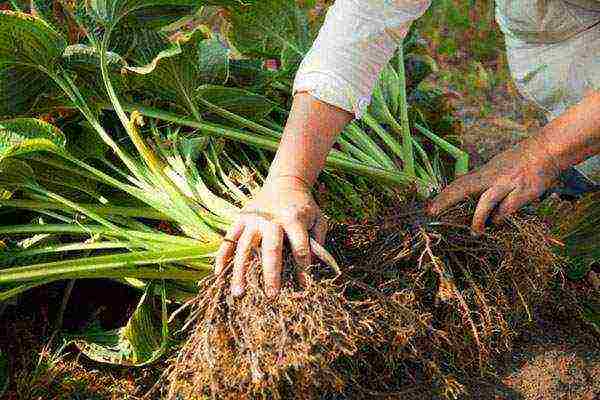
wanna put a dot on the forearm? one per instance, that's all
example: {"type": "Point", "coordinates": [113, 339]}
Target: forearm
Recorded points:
{"type": "Point", "coordinates": [336, 78]}
{"type": "Point", "coordinates": [574, 136]}
{"type": "Point", "coordinates": [309, 135]}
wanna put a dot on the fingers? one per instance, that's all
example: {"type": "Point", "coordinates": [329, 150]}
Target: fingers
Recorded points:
{"type": "Point", "coordinates": [245, 235]}
{"type": "Point", "coordinates": [241, 259]}
{"type": "Point", "coordinates": [512, 203]}
{"type": "Point", "coordinates": [228, 246]}
{"type": "Point", "coordinates": [486, 205]}
{"type": "Point", "coordinates": [272, 247]}
{"type": "Point", "coordinates": [298, 237]}
{"type": "Point", "coordinates": [459, 190]}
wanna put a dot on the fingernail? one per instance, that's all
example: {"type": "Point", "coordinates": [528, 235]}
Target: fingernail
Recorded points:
{"type": "Point", "coordinates": [237, 290]}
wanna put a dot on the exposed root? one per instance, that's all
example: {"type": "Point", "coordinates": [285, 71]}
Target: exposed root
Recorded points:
{"type": "Point", "coordinates": [417, 299]}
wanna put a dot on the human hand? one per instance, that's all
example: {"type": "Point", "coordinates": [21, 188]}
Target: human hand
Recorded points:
{"type": "Point", "coordinates": [506, 183]}
{"type": "Point", "coordinates": [284, 205]}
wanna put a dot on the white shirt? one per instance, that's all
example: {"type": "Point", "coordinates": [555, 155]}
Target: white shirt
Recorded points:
{"type": "Point", "coordinates": [356, 41]}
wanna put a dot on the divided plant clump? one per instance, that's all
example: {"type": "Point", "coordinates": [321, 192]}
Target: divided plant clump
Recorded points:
{"type": "Point", "coordinates": [416, 297]}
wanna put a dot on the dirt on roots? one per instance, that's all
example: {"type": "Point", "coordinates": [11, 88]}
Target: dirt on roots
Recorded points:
{"type": "Point", "coordinates": [418, 299]}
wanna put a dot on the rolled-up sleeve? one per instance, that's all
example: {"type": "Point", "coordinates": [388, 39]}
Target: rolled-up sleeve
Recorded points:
{"type": "Point", "coordinates": [356, 41]}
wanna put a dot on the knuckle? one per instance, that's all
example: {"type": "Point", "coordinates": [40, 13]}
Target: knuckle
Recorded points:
{"type": "Point", "coordinates": [269, 227]}
{"type": "Point", "coordinates": [240, 259]}
{"type": "Point", "coordinates": [294, 214]}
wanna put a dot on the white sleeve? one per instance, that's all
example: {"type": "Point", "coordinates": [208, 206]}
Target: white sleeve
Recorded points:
{"type": "Point", "coordinates": [356, 41]}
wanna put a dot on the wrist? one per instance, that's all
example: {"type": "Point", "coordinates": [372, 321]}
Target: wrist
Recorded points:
{"type": "Point", "coordinates": [546, 157]}
{"type": "Point", "coordinates": [292, 181]}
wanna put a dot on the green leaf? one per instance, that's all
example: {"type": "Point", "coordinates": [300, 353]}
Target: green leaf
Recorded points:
{"type": "Point", "coordinates": [28, 40]}
{"type": "Point", "coordinates": [83, 62]}
{"type": "Point", "coordinates": [389, 84]}
{"type": "Point", "coordinates": [53, 12]}
{"type": "Point", "coordinates": [237, 101]}
{"type": "Point", "coordinates": [141, 342]}
{"type": "Point", "coordinates": [86, 144]}
{"type": "Point", "coordinates": [212, 60]}
{"type": "Point", "coordinates": [149, 13]}
{"type": "Point", "coordinates": [99, 16]}
{"type": "Point", "coordinates": [83, 56]}
{"type": "Point", "coordinates": [29, 47]}
{"type": "Point", "coordinates": [176, 74]}
{"type": "Point", "coordinates": [15, 174]}
{"type": "Point", "coordinates": [269, 27]}
{"type": "Point", "coordinates": [28, 135]}
{"type": "Point", "coordinates": [114, 265]}
{"type": "Point", "coordinates": [67, 181]}
{"type": "Point", "coordinates": [161, 49]}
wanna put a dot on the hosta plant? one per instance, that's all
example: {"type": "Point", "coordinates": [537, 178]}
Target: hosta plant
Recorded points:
{"type": "Point", "coordinates": [143, 132]}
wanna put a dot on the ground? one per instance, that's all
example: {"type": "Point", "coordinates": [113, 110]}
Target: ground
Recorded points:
{"type": "Point", "coordinates": [557, 358]}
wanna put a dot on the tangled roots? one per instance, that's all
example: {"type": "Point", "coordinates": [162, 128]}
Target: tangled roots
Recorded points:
{"type": "Point", "coordinates": [416, 297]}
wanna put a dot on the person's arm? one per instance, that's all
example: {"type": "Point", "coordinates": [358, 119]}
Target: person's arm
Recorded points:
{"type": "Point", "coordinates": [522, 174]}
{"type": "Point", "coordinates": [284, 205]}
{"type": "Point", "coordinates": [333, 84]}
{"type": "Point", "coordinates": [309, 135]}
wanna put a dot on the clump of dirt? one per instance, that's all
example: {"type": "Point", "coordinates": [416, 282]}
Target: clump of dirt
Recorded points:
{"type": "Point", "coordinates": [415, 296]}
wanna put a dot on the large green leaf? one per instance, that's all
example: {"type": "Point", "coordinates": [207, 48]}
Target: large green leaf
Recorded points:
{"type": "Point", "coordinates": [54, 12]}
{"type": "Point", "coordinates": [81, 56]}
{"type": "Point", "coordinates": [122, 25]}
{"type": "Point", "coordinates": [270, 27]}
{"type": "Point", "coordinates": [188, 78]}
{"type": "Point", "coordinates": [83, 62]}
{"type": "Point", "coordinates": [176, 76]}
{"type": "Point", "coordinates": [211, 60]}
{"type": "Point", "coordinates": [85, 143]}
{"type": "Point", "coordinates": [15, 174]}
{"type": "Point", "coordinates": [237, 101]}
{"type": "Point", "coordinates": [142, 341]}
{"type": "Point", "coordinates": [28, 135]}
{"type": "Point", "coordinates": [146, 13]}
{"type": "Point", "coordinates": [28, 47]}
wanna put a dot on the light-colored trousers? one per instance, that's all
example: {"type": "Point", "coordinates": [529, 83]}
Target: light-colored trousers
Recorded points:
{"type": "Point", "coordinates": [554, 54]}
